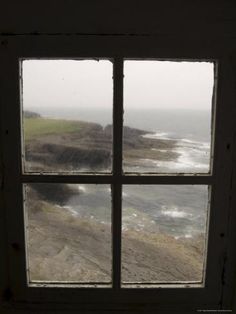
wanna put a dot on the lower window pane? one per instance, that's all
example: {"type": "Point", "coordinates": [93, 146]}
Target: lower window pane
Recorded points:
{"type": "Point", "coordinates": [68, 232]}
{"type": "Point", "coordinates": [163, 233]}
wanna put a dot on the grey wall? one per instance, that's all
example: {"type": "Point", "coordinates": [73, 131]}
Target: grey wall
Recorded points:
{"type": "Point", "coordinates": [210, 20]}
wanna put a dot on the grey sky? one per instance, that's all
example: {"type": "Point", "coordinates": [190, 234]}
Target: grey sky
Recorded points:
{"type": "Point", "coordinates": [167, 85]}
{"type": "Point", "coordinates": [147, 84]}
{"type": "Point", "coordinates": [67, 83]}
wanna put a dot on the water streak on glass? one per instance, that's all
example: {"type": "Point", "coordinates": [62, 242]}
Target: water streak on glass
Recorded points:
{"type": "Point", "coordinates": [68, 232]}
{"type": "Point", "coordinates": [167, 116]}
{"type": "Point", "coordinates": [164, 231]}
{"type": "Point", "coordinates": [67, 115]}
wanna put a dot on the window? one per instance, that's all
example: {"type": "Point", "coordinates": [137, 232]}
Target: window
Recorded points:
{"type": "Point", "coordinates": [144, 207]}
{"type": "Point", "coordinates": [67, 128]}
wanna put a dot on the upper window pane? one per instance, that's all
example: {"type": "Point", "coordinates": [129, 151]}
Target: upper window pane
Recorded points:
{"type": "Point", "coordinates": [67, 115]}
{"type": "Point", "coordinates": [167, 116]}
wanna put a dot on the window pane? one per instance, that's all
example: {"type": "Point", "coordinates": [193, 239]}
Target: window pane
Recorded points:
{"type": "Point", "coordinates": [167, 116]}
{"type": "Point", "coordinates": [163, 233]}
{"type": "Point", "coordinates": [68, 232]}
{"type": "Point", "coordinates": [67, 115]}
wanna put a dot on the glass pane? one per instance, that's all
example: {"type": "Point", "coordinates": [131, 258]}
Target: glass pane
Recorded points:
{"type": "Point", "coordinates": [67, 115]}
{"type": "Point", "coordinates": [163, 233]}
{"type": "Point", "coordinates": [167, 116]}
{"type": "Point", "coordinates": [68, 232]}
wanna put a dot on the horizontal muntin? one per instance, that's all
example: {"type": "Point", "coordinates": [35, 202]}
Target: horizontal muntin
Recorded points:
{"type": "Point", "coordinates": [122, 179]}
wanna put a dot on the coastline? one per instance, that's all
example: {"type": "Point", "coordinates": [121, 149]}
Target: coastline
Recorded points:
{"type": "Point", "coordinates": [56, 233]}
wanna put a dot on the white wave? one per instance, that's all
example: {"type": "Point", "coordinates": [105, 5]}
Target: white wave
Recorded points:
{"type": "Point", "coordinates": [188, 160]}
{"type": "Point", "coordinates": [71, 209]}
{"type": "Point", "coordinates": [196, 144]}
{"type": "Point", "coordinates": [141, 226]}
{"type": "Point", "coordinates": [206, 145]}
{"type": "Point", "coordinates": [160, 150]}
{"type": "Point", "coordinates": [185, 140]}
{"type": "Point", "coordinates": [174, 212]}
{"type": "Point", "coordinates": [146, 160]}
{"type": "Point", "coordinates": [157, 135]}
{"type": "Point", "coordinates": [188, 236]}
{"type": "Point", "coordinates": [193, 155]}
{"type": "Point", "coordinates": [125, 227]}
{"type": "Point", "coordinates": [182, 164]}
{"type": "Point", "coordinates": [185, 161]}
{"type": "Point", "coordinates": [82, 188]}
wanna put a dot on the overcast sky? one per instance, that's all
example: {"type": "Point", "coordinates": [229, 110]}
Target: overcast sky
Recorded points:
{"type": "Point", "coordinates": [147, 84]}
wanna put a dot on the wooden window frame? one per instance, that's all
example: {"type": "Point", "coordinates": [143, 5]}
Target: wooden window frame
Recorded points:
{"type": "Point", "coordinates": [217, 290]}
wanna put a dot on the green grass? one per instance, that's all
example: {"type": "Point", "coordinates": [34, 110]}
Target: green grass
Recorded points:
{"type": "Point", "coordinates": [35, 127]}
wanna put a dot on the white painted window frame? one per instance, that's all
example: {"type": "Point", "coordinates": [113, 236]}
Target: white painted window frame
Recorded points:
{"type": "Point", "coordinates": [217, 291]}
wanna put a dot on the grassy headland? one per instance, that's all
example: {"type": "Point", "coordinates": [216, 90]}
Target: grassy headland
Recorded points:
{"type": "Point", "coordinates": [38, 127]}
{"type": "Point", "coordinates": [57, 144]}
